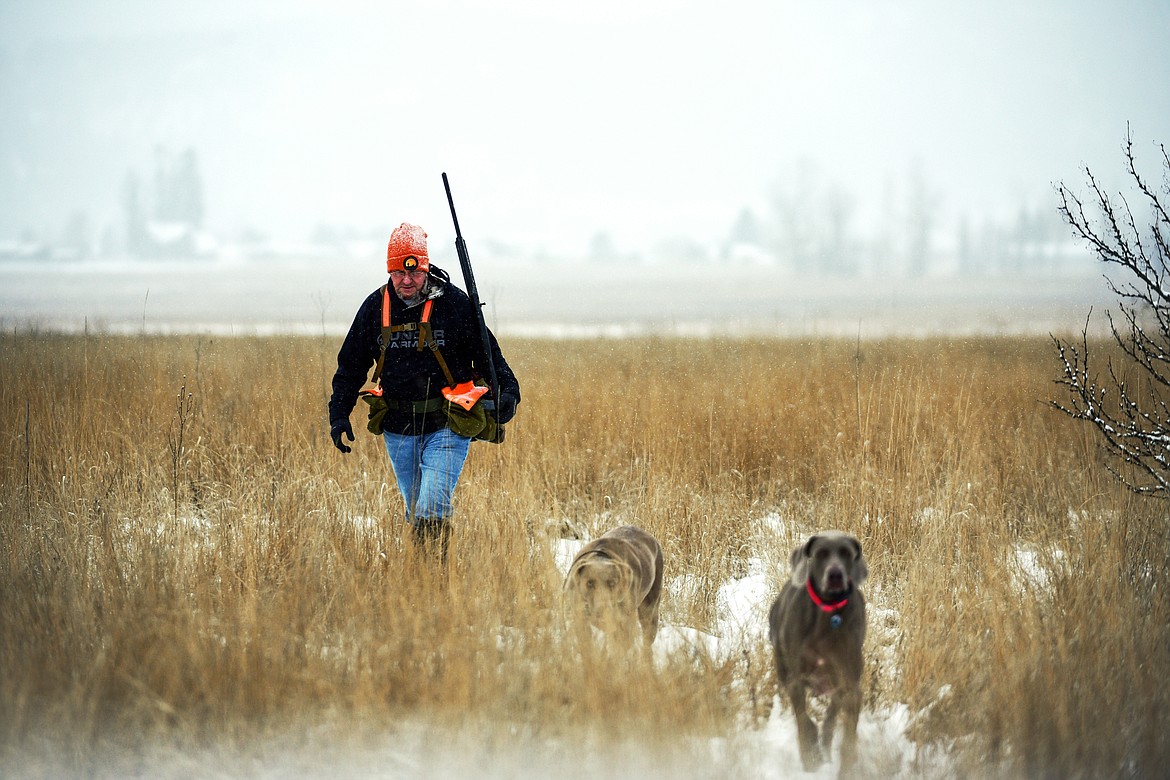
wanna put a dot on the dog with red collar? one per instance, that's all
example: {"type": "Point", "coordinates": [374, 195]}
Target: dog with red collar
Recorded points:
{"type": "Point", "coordinates": [817, 628]}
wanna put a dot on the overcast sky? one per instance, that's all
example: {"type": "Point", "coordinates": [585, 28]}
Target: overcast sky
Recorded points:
{"type": "Point", "coordinates": [646, 119]}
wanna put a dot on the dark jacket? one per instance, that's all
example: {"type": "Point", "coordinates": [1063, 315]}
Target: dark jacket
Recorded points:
{"type": "Point", "coordinates": [408, 373]}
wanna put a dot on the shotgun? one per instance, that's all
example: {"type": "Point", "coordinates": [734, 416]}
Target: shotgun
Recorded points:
{"type": "Point", "coordinates": [473, 294]}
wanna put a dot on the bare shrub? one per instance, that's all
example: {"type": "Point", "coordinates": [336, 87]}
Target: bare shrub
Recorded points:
{"type": "Point", "coordinates": [1128, 406]}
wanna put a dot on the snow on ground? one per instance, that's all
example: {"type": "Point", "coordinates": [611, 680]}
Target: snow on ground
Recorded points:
{"type": "Point", "coordinates": [418, 748]}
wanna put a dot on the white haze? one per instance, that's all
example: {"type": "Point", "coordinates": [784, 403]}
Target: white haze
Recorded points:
{"type": "Point", "coordinates": [648, 121]}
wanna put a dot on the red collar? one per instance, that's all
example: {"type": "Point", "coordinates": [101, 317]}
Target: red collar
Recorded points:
{"type": "Point", "coordinates": [825, 606]}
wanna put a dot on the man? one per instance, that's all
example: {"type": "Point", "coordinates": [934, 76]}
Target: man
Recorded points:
{"type": "Point", "coordinates": [428, 341]}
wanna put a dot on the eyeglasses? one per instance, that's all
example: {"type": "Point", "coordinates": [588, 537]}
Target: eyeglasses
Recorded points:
{"type": "Point", "coordinates": [415, 274]}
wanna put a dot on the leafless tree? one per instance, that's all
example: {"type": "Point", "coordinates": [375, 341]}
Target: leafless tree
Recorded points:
{"type": "Point", "coordinates": [1128, 405]}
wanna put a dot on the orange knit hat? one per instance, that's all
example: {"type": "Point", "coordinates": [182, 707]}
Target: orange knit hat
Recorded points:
{"type": "Point", "coordinates": [407, 249]}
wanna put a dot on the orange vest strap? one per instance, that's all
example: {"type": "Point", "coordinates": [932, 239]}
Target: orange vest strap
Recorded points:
{"type": "Point", "coordinates": [425, 337]}
{"type": "Point", "coordinates": [426, 313]}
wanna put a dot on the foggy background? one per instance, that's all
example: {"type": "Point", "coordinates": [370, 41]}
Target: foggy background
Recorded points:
{"type": "Point", "coordinates": [792, 167]}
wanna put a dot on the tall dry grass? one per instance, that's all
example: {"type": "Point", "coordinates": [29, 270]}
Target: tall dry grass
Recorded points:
{"type": "Point", "coordinates": [184, 557]}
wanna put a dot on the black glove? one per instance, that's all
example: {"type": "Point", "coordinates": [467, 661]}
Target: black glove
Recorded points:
{"type": "Point", "coordinates": [505, 408]}
{"type": "Point", "coordinates": [336, 429]}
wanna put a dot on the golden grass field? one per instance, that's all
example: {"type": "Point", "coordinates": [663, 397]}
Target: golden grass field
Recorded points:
{"type": "Point", "coordinates": [186, 560]}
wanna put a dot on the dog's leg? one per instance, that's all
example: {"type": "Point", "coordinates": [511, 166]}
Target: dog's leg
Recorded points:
{"type": "Point", "coordinates": [648, 618]}
{"type": "Point", "coordinates": [829, 724]}
{"type": "Point", "coordinates": [850, 712]}
{"type": "Point", "coordinates": [806, 730]}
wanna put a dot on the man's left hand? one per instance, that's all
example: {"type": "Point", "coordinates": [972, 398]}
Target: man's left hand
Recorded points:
{"type": "Point", "coordinates": [338, 428]}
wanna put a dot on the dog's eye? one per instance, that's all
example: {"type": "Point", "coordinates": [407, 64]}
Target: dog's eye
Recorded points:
{"type": "Point", "coordinates": [590, 584]}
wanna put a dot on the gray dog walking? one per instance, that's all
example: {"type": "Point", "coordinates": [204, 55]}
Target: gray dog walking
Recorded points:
{"type": "Point", "coordinates": [615, 577]}
{"type": "Point", "coordinates": [817, 628]}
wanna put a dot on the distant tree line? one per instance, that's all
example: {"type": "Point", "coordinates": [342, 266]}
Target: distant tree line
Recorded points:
{"type": "Point", "coordinates": [806, 226]}
{"type": "Point", "coordinates": [166, 220]}
{"type": "Point", "coordinates": [811, 228]}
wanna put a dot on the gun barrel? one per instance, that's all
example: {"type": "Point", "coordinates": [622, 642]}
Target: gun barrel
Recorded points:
{"type": "Point", "coordinates": [473, 294]}
{"type": "Point", "coordinates": [455, 219]}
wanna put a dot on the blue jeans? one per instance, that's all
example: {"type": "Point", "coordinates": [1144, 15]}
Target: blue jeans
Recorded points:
{"type": "Point", "coordinates": [427, 468]}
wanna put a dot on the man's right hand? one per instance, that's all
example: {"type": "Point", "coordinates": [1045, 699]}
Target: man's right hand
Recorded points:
{"type": "Point", "coordinates": [335, 431]}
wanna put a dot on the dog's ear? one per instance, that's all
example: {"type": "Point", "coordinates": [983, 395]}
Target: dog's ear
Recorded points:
{"type": "Point", "coordinates": [574, 573]}
{"type": "Point", "coordinates": [860, 569]}
{"type": "Point", "coordinates": [799, 561]}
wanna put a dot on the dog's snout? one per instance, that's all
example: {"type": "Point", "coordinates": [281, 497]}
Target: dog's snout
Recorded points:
{"type": "Point", "coordinates": [835, 578]}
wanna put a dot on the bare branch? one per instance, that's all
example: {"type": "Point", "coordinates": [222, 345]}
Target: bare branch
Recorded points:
{"type": "Point", "coordinates": [1128, 405]}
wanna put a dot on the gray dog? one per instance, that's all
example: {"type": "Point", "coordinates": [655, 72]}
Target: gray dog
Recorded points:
{"type": "Point", "coordinates": [615, 578]}
{"type": "Point", "coordinates": [817, 627]}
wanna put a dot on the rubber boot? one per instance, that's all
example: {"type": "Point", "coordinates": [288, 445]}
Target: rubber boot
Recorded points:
{"type": "Point", "coordinates": [432, 535]}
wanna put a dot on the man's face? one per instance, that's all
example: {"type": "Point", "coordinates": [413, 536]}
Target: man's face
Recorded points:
{"type": "Point", "coordinates": [408, 284]}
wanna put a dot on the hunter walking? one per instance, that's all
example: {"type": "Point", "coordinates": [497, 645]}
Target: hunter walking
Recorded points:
{"type": "Point", "coordinates": [431, 396]}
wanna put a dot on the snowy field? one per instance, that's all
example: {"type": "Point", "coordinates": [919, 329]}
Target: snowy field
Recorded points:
{"type": "Point", "coordinates": [568, 301]}
{"type": "Point", "coordinates": [416, 748]}
{"type": "Point", "coordinates": [552, 299]}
